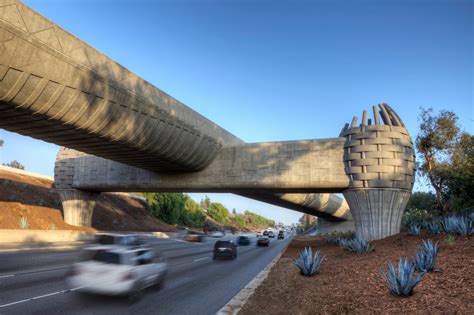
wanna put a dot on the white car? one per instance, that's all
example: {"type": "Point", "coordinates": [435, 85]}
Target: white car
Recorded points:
{"type": "Point", "coordinates": [117, 271]}
{"type": "Point", "coordinates": [217, 234]}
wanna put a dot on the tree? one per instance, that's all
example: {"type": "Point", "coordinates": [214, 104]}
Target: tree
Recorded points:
{"type": "Point", "coordinates": [234, 212]}
{"type": "Point", "coordinates": [192, 215]}
{"type": "Point", "coordinates": [205, 203]}
{"type": "Point", "coordinates": [218, 212]}
{"type": "Point", "coordinates": [15, 164]}
{"type": "Point", "coordinates": [166, 206]}
{"type": "Point", "coordinates": [446, 158]}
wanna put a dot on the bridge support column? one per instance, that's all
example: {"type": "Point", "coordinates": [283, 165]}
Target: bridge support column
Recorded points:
{"type": "Point", "coordinates": [379, 160]}
{"type": "Point", "coordinates": [377, 213]}
{"type": "Point", "coordinates": [78, 206]}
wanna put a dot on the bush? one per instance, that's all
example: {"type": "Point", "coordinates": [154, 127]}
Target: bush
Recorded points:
{"type": "Point", "coordinates": [414, 216]}
{"type": "Point", "coordinates": [414, 229]}
{"type": "Point", "coordinates": [335, 237]}
{"type": "Point", "coordinates": [457, 225]}
{"type": "Point", "coordinates": [24, 225]}
{"type": "Point", "coordinates": [403, 282]}
{"type": "Point", "coordinates": [433, 228]}
{"type": "Point", "coordinates": [356, 245]}
{"type": "Point", "coordinates": [449, 240]}
{"type": "Point", "coordinates": [425, 258]}
{"type": "Point", "coordinates": [307, 264]}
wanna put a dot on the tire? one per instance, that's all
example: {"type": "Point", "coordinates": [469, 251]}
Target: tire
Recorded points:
{"type": "Point", "coordinates": [214, 257]}
{"type": "Point", "coordinates": [136, 293]}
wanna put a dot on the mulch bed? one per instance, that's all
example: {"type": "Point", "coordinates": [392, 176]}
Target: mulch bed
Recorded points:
{"type": "Point", "coordinates": [352, 283]}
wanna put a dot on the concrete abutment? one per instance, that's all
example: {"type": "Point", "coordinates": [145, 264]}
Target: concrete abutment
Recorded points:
{"type": "Point", "coordinates": [78, 206]}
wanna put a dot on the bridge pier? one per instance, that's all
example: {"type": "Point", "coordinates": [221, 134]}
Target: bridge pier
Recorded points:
{"type": "Point", "coordinates": [380, 162]}
{"type": "Point", "coordinates": [78, 206]}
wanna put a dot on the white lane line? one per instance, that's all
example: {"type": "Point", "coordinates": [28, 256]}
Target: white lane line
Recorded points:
{"type": "Point", "coordinates": [200, 259]}
{"type": "Point", "coordinates": [41, 296]}
{"type": "Point", "coordinates": [32, 271]}
{"type": "Point", "coordinates": [6, 276]}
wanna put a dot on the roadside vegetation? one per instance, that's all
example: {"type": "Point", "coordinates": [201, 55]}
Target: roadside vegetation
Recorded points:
{"type": "Point", "coordinates": [180, 209]}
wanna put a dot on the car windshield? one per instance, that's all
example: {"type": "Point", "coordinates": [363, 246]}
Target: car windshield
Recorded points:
{"type": "Point", "coordinates": [106, 257]}
{"type": "Point", "coordinates": [106, 239]}
{"type": "Point", "coordinates": [263, 239]}
{"type": "Point", "coordinates": [223, 244]}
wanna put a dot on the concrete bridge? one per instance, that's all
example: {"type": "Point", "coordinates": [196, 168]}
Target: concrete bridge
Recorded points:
{"type": "Point", "coordinates": [120, 133]}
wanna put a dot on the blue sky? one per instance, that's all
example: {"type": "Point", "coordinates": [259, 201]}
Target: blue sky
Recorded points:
{"type": "Point", "coordinates": [278, 70]}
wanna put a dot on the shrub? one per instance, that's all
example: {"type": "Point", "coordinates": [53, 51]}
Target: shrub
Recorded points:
{"type": "Point", "coordinates": [433, 228]}
{"type": "Point", "coordinates": [335, 237]}
{"type": "Point", "coordinates": [425, 258]}
{"type": "Point", "coordinates": [457, 225]}
{"type": "Point", "coordinates": [356, 245]}
{"type": "Point", "coordinates": [449, 240]}
{"type": "Point", "coordinates": [24, 223]}
{"type": "Point", "coordinates": [403, 282]}
{"type": "Point", "coordinates": [307, 264]}
{"type": "Point", "coordinates": [414, 216]}
{"type": "Point", "coordinates": [414, 229]}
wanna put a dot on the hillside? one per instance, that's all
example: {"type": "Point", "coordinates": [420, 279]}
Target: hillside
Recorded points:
{"type": "Point", "coordinates": [34, 198]}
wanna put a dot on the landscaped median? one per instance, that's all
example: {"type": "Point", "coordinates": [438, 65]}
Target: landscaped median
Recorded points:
{"type": "Point", "coordinates": [349, 282]}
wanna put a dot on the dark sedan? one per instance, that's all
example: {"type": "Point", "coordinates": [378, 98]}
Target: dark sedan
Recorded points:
{"type": "Point", "coordinates": [243, 240]}
{"type": "Point", "coordinates": [263, 241]}
{"type": "Point", "coordinates": [225, 249]}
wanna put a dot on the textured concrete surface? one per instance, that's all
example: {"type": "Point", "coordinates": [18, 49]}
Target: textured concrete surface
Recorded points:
{"type": "Point", "coordinates": [380, 162]}
{"type": "Point", "coordinates": [56, 88]}
{"type": "Point", "coordinates": [78, 206]}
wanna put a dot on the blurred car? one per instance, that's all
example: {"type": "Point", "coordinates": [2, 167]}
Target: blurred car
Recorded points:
{"type": "Point", "coordinates": [265, 233]}
{"type": "Point", "coordinates": [281, 235]}
{"type": "Point", "coordinates": [259, 234]}
{"type": "Point", "coordinates": [263, 241]}
{"type": "Point", "coordinates": [194, 237]}
{"type": "Point", "coordinates": [224, 249]}
{"type": "Point", "coordinates": [118, 239]}
{"type": "Point", "coordinates": [118, 271]}
{"type": "Point", "coordinates": [217, 234]}
{"type": "Point", "coordinates": [243, 240]}
{"type": "Point", "coordinates": [271, 234]}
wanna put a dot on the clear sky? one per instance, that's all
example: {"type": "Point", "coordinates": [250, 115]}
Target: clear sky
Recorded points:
{"type": "Point", "coordinates": [278, 70]}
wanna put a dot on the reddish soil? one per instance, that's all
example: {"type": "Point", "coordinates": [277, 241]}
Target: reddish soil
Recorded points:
{"type": "Point", "coordinates": [35, 199]}
{"type": "Point", "coordinates": [352, 283]}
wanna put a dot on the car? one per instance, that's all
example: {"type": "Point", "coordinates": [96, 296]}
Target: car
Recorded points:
{"type": "Point", "coordinates": [117, 239]}
{"type": "Point", "coordinates": [259, 234]}
{"type": "Point", "coordinates": [271, 234]}
{"type": "Point", "coordinates": [243, 240]}
{"type": "Point", "coordinates": [265, 233]}
{"type": "Point", "coordinates": [263, 241]}
{"type": "Point", "coordinates": [118, 271]}
{"type": "Point", "coordinates": [224, 249]}
{"type": "Point", "coordinates": [217, 234]}
{"type": "Point", "coordinates": [194, 237]}
{"type": "Point", "coordinates": [281, 235]}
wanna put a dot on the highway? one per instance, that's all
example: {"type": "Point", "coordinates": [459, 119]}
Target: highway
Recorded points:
{"type": "Point", "coordinates": [34, 281]}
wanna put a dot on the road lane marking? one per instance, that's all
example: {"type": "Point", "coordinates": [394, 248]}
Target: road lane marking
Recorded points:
{"type": "Point", "coordinates": [41, 296]}
{"type": "Point", "coordinates": [200, 259]}
{"type": "Point", "coordinates": [31, 272]}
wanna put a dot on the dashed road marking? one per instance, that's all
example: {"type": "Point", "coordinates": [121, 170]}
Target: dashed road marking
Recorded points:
{"type": "Point", "coordinates": [40, 297]}
{"type": "Point", "coordinates": [200, 259]}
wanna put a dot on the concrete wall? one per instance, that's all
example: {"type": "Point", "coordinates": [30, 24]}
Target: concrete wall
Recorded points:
{"type": "Point", "coordinates": [278, 167]}
{"type": "Point", "coordinates": [8, 236]}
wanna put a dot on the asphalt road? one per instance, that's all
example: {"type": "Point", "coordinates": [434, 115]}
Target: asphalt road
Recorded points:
{"type": "Point", "coordinates": [33, 282]}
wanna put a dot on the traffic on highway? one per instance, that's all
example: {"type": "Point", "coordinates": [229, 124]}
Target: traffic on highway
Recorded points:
{"type": "Point", "coordinates": [137, 272]}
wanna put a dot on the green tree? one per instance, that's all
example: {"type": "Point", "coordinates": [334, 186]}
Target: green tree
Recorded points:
{"type": "Point", "coordinates": [218, 212]}
{"type": "Point", "coordinates": [446, 158]}
{"type": "Point", "coordinates": [15, 164]}
{"type": "Point", "coordinates": [166, 206]}
{"type": "Point", "coordinates": [205, 203]}
{"type": "Point", "coordinates": [192, 215]}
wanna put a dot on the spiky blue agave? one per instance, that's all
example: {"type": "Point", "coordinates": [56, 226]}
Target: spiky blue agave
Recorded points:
{"type": "Point", "coordinates": [433, 228]}
{"type": "Point", "coordinates": [333, 240]}
{"type": "Point", "coordinates": [458, 225]}
{"type": "Point", "coordinates": [307, 264]}
{"type": "Point", "coordinates": [357, 245]}
{"type": "Point", "coordinates": [403, 281]}
{"type": "Point", "coordinates": [425, 257]}
{"type": "Point", "coordinates": [414, 229]}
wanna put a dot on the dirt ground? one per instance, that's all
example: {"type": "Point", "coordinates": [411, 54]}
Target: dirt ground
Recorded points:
{"type": "Point", "coordinates": [352, 283]}
{"type": "Point", "coordinates": [36, 200]}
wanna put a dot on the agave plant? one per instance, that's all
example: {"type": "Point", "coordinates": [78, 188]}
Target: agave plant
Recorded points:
{"type": "Point", "coordinates": [403, 281]}
{"type": "Point", "coordinates": [357, 245]}
{"type": "Point", "coordinates": [333, 240]}
{"type": "Point", "coordinates": [307, 264]}
{"type": "Point", "coordinates": [433, 228]}
{"type": "Point", "coordinates": [414, 230]}
{"type": "Point", "coordinates": [457, 225]}
{"type": "Point", "coordinates": [24, 223]}
{"type": "Point", "coordinates": [425, 258]}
